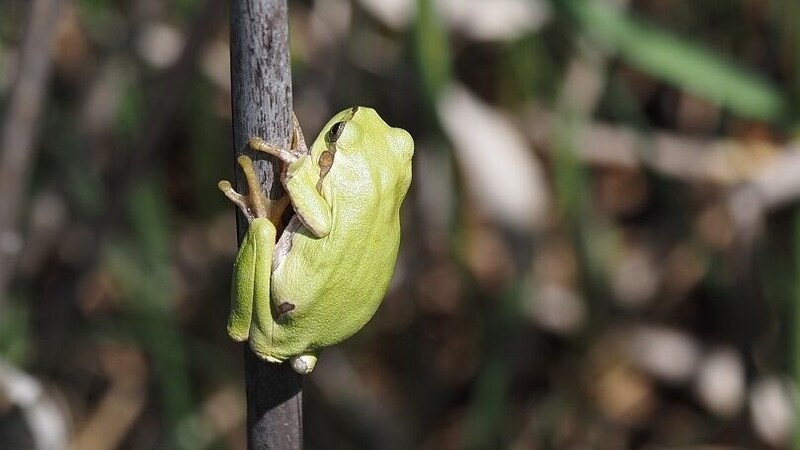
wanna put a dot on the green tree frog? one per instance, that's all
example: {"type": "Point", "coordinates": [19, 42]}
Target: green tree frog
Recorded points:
{"type": "Point", "coordinates": [320, 280]}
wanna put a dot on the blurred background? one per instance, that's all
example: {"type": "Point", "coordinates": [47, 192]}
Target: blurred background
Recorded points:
{"type": "Point", "coordinates": [601, 244]}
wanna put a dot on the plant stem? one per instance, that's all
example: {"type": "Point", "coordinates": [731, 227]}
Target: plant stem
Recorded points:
{"type": "Point", "coordinates": [262, 105]}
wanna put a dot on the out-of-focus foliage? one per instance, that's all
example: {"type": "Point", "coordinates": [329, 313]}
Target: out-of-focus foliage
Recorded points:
{"type": "Point", "coordinates": [600, 246]}
{"type": "Point", "coordinates": [682, 62]}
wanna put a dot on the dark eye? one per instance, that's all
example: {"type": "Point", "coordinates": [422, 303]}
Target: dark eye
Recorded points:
{"type": "Point", "coordinates": [335, 131]}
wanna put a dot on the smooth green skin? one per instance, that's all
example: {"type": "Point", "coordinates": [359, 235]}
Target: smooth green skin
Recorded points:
{"type": "Point", "coordinates": [335, 259]}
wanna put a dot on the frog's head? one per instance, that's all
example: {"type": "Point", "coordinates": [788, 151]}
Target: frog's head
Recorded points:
{"type": "Point", "coordinates": [359, 138]}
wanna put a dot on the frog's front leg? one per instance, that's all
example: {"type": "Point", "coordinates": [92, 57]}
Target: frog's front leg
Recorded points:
{"type": "Point", "coordinates": [296, 149]}
{"type": "Point", "coordinates": [302, 179]}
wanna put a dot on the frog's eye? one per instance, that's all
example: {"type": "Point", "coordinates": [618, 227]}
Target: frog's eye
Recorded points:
{"type": "Point", "coordinates": [335, 132]}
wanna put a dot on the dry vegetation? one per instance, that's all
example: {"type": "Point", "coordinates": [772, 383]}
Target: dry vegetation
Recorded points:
{"type": "Point", "coordinates": [601, 246]}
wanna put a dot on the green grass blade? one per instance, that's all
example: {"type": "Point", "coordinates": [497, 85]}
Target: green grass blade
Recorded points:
{"type": "Point", "coordinates": [679, 61]}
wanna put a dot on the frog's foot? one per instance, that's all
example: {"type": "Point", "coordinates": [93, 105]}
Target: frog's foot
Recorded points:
{"type": "Point", "coordinates": [303, 364]}
{"type": "Point", "coordinates": [255, 203]}
{"type": "Point", "coordinates": [298, 141]}
{"type": "Point", "coordinates": [297, 149]}
{"type": "Point", "coordinates": [286, 156]}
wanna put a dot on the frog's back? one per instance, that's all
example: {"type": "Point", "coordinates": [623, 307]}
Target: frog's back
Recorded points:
{"type": "Point", "coordinates": [361, 253]}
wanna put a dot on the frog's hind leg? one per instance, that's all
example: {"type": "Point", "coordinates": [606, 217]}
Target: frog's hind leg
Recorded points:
{"type": "Point", "coordinates": [252, 279]}
{"type": "Point", "coordinates": [254, 204]}
{"type": "Point", "coordinates": [251, 283]}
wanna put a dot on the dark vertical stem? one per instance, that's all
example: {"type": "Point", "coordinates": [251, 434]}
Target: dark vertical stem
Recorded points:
{"type": "Point", "coordinates": [19, 135]}
{"type": "Point", "coordinates": [794, 312]}
{"type": "Point", "coordinates": [262, 99]}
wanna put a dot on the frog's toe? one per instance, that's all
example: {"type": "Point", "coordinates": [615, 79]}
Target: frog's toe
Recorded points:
{"type": "Point", "coordinates": [303, 364]}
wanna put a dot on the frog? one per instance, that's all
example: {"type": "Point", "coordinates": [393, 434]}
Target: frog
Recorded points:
{"type": "Point", "coordinates": [299, 288]}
